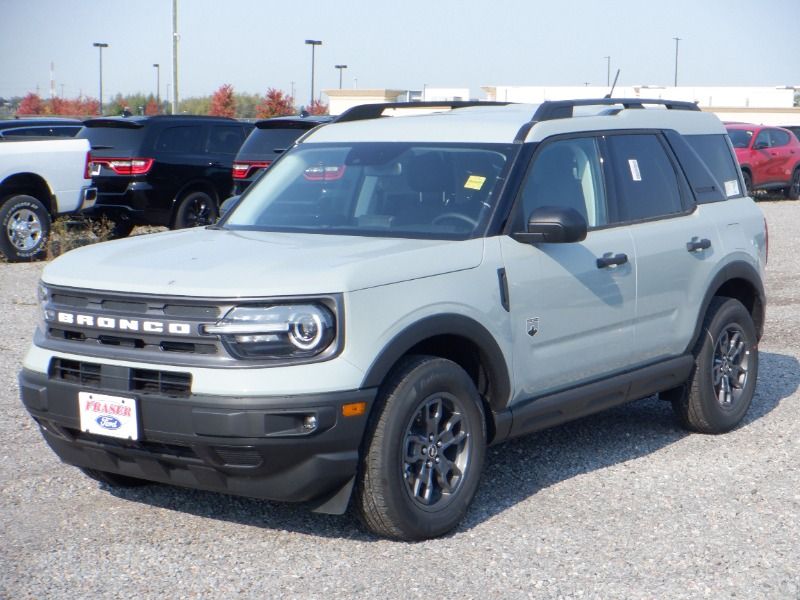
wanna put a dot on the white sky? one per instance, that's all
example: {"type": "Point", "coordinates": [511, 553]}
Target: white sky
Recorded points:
{"type": "Point", "coordinates": [256, 44]}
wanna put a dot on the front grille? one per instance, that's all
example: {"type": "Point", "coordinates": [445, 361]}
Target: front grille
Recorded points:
{"type": "Point", "coordinates": [154, 448]}
{"type": "Point", "coordinates": [75, 371]}
{"type": "Point", "coordinates": [122, 379]}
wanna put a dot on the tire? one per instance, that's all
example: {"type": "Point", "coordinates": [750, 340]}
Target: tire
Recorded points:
{"type": "Point", "coordinates": [721, 386]}
{"type": "Point", "coordinates": [113, 479]}
{"type": "Point", "coordinates": [24, 228]}
{"type": "Point", "coordinates": [424, 452]}
{"type": "Point", "coordinates": [195, 209]}
{"type": "Point", "coordinates": [793, 191]}
{"type": "Point", "coordinates": [748, 183]}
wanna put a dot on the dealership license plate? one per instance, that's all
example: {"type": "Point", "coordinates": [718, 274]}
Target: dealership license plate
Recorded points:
{"type": "Point", "coordinates": [112, 416]}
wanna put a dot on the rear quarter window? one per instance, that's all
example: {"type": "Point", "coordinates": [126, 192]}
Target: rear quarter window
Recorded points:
{"type": "Point", "coordinates": [181, 139]}
{"type": "Point", "coordinates": [715, 152]}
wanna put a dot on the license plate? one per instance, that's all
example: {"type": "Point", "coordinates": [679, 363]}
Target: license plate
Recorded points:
{"type": "Point", "coordinates": [112, 416]}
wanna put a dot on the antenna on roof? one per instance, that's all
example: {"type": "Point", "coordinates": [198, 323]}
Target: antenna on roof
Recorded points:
{"type": "Point", "coordinates": [613, 85]}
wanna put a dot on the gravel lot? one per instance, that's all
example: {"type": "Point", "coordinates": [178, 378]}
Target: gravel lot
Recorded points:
{"type": "Point", "coordinates": [620, 505]}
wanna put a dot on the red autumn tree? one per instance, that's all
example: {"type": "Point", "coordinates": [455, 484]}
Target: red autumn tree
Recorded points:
{"type": "Point", "coordinates": [317, 107]}
{"type": "Point", "coordinates": [275, 104]}
{"type": "Point", "coordinates": [31, 105]}
{"type": "Point", "coordinates": [223, 104]}
{"type": "Point", "coordinates": [152, 107]}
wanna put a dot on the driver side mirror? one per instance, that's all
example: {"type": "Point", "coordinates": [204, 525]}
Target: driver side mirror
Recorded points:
{"type": "Point", "coordinates": [553, 225]}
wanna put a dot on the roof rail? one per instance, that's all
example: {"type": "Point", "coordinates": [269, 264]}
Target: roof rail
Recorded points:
{"type": "Point", "coordinates": [563, 109]}
{"type": "Point", "coordinates": [373, 111]}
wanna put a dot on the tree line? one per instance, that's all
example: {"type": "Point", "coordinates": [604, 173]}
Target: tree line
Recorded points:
{"type": "Point", "coordinates": [223, 102]}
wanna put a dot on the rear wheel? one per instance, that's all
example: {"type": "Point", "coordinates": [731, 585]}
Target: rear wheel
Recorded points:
{"type": "Point", "coordinates": [721, 387]}
{"type": "Point", "coordinates": [24, 228]}
{"type": "Point", "coordinates": [793, 191]}
{"type": "Point", "coordinates": [113, 479]}
{"type": "Point", "coordinates": [424, 454]}
{"type": "Point", "coordinates": [196, 209]}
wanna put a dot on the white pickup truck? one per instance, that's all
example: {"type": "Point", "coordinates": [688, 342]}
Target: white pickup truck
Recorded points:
{"type": "Point", "coordinates": [39, 179]}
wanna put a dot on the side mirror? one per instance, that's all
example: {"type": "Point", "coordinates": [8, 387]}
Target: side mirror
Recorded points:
{"type": "Point", "coordinates": [227, 205]}
{"type": "Point", "coordinates": [554, 225]}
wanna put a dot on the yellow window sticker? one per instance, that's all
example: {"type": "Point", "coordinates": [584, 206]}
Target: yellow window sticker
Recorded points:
{"type": "Point", "coordinates": [474, 182]}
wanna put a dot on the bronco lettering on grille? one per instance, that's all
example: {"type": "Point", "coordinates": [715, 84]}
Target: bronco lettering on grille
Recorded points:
{"type": "Point", "coordinates": [121, 324]}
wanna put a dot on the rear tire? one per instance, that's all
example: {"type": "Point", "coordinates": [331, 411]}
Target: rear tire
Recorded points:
{"type": "Point", "coordinates": [113, 479]}
{"type": "Point", "coordinates": [196, 209]}
{"type": "Point", "coordinates": [24, 228]}
{"type": "Point", "coordinates": [721, 386]}
{"type": "Point", "coordinates": [424, 451]}
{"type": "Point", "coordinates": [793, 191]}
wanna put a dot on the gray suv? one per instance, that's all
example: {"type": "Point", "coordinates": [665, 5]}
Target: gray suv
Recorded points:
{"type": "Point", "coordinates": [395, 294]}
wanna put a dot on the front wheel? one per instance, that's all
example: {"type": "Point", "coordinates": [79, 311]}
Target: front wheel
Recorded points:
{"type": "Point", "coordinates": [25, 225]}
{"type": "Point", "coordinates": [748, 183]}
{"type": "Point", "coordinates": [196, 209]}
{"type": "Point", "coordinates": [424, 454]}
{"type": "Point", "coordinates": [723, 381]}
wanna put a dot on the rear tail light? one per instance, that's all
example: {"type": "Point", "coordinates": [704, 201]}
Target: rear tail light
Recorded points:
{"type": "Point", "coordinates": [243, 169]}
{"type": "Point", "coordinates": [87, 167]}
{"type": "Point", "coordinates": [125, 166]}
{"type": "Point", "coordinates": [324, 173]}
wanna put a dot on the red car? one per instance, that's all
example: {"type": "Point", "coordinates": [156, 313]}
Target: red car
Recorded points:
{"type": "Point", "coordinates": [769, 158]}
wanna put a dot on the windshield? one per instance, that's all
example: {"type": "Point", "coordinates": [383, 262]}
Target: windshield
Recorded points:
{"type": "Point", "coordinates": [389, 189]}
{"type": "Point", "coordinates": [740, 138]}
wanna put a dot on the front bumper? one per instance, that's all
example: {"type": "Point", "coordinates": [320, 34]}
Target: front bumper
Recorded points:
{"type": "Point", "coordinates": [248, 446]}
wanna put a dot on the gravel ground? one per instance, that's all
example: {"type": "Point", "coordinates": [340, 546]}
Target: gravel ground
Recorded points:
{"type": "Point", "coordinates": [620, 505]}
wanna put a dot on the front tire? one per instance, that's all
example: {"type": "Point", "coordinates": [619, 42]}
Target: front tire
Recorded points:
{"type": "Point", "coordinates": [24, 228]}
{"type": "Point", "coordinates": [196, 209]}
{"type": "Point", "coordinates": [721, 386]}
{"type": "Point", "coordinates": [424, 452]}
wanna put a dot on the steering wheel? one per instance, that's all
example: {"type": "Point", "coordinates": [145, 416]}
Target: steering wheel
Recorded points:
{"type": "Point", "coordinates": [454, 216]}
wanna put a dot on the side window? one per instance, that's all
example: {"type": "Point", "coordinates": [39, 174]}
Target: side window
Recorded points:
{"type": "Point", "coordinates": [762, 140]}
{"type": "Point", "coordinates": [778, 137]}
{"type": "Point", "coordinates": [715, 153]}
{"type": "Point", "coordinates": [225, 139]}
{"type": "Point", "coordinates": [566, 173]}
{"type": "Point", "coordinates": [182, 139]}
{"type": "Point", "coordinates": [646, 183]}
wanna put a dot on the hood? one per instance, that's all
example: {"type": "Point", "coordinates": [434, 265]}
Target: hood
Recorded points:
{"type": "Point", "coordinates": [222, 263]}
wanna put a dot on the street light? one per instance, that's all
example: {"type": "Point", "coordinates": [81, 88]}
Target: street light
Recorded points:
{"type": "Point", "coordinates": [313, 44]}
{"type": "Point", "coordinates": [341, 68]}
{"type": "Point", "coordinates": [100, 46]}
{"type": "Point", "coordinates": [608, 70]}
{"type": "Point", "coordinates": [677, 39]}
{"type": "Point", "coordinates": [158, 85]}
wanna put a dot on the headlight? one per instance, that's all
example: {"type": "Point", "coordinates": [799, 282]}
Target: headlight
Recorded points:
{"type": "Point", "coordinates": [43, 296]}
{"type": "Point", "coordinates": [280, 331]}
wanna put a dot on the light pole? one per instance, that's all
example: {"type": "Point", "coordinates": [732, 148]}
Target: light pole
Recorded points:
{"type": "Point", "coordinates": [341, 68]}
{"type": "Point", "coordinates": [158, 85]}
{"type": "Point", "coordinates": [677, 39]}
{"type": "Point", "coordinates": [313, 44]}
{"type": "Point", "coordinates": [100, 46]}
{"type": "Point", "coordinates": [608, 70]}
{"type": "Point", "coordinates": [175, 39]}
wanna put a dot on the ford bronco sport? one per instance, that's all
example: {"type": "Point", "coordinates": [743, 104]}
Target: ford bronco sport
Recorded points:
{"type": "Point", "coordinates": [395, 294]}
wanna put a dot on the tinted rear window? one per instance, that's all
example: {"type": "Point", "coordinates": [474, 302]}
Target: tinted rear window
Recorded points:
{"type": "Point", "coordinates": [113, 140]}
{"type": "Point", "coordinates": [182, 139]}
{"type": "Point", "coordinates": [715, 152]}
{"type": "Point", "coordinates": [267, 141]}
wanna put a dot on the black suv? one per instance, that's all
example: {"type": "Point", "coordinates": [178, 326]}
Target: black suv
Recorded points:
{"type": "Point", "coordinates": [37, 127]}
{"type": "Point", "coordinates": [161, 170]}
{"type": "Point", "coordinates": [266, 143]}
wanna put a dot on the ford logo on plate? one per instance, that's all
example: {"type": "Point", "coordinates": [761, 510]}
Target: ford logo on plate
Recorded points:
{"type": "Point", "coordinates": [107, 422]}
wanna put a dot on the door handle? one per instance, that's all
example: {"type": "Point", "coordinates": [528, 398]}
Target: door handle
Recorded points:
{"type": "Point", "coordinates": [214, 164]}
{"type": "Point", "coordinates": [611, 261]}
{"type": "Point", "coordinates": [696, 245]}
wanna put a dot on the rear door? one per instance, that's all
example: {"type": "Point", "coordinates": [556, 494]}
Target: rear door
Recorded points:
{"type": "Point", "coordinates": [180, 159]}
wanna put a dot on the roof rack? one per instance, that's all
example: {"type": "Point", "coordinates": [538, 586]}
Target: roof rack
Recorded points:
{"type": "Point", "coordinates": [373, 111]}
{"type": "Point", "coordinates": [564, 109]}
